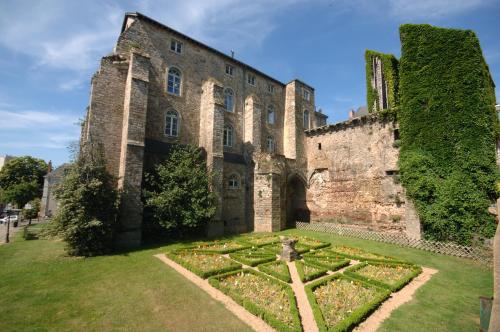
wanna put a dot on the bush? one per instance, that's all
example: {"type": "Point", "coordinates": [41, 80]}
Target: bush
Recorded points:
{"type": "Point", "coordinates": [88, 204]}
{"type": "Point", "coordinates": [448, 128]}
{"type": "Point", "coordinates": [178, 194]}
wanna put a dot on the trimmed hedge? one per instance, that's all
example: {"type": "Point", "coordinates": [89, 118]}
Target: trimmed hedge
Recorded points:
{"type": "Point", "coordinates": [448, 127]}
{"type": "Point", "coordinates": [416, 270]}
{"type": "Point", "coordinates": [257, 310]}
{"type": "Point", "coordinates": [356, 317]}
{"type": "Point", "coordinates": [311, 276]}
{"type": "Point", "coordinates": [330, 263]}
{"type": "Point", "coordinates": [197, 248]}
{"type": "Point", "coordinates": [281, 276]}
{"type": "Point", "coordinates": [203, 274]}
{"type": "Point", "coordinates": [390, 72]}
{"type": "Point", "coordinates": [365, 259]}
{"type": "Point", "coordinates": [252, 260]}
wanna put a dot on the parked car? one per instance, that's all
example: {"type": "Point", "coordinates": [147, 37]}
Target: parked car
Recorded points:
{"type": "Point", "coordinates": [12, 219]}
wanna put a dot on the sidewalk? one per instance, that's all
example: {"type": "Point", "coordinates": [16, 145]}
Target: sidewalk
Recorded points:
{"type": "Point", "coordinates": [12, 229]}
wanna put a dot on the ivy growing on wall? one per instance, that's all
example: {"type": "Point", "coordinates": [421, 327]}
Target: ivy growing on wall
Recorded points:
{"type": "Point", "coordinates": [390, 72]}
{"type": "Point", "coordinates": [448, 127]}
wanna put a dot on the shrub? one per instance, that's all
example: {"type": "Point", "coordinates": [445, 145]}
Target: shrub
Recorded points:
{"type": "Point", "coordinates": [448, 128]}
{"type": "Point", "coordinates": [88, 202]}
{"type": "Point", "coordinates": [178, 193]}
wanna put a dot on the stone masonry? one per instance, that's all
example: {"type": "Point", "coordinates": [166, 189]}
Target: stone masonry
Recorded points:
{"type": "Point", "coordinates": [271, 171]}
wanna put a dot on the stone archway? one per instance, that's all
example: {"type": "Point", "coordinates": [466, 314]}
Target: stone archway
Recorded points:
{"type": "Point", "coordinates": [296, 204]}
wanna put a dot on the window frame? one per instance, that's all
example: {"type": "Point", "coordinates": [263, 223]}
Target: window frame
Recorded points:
{"type": "Point", "coordinates": [251, 79]}
{"type": "Point", "coordinates": [178, 46]}
{"type": "Point", "coordinates": [180, 76]}
{"type": "Point", "coordinates": [229, 137]}
{"type": "Point", "coordinates": [170, 126]}
{"type": "Point", "coordinates": [306, 114]}
{"type": "Point", "coordinates": [271, 148]}
{"type": "Point", "coordinates": [306, 94]}
{"type": "Point", "coordinates": [233, 182]}
{"type": "Point", "coordinates": [271, 109]}
{"type": "Point", "coordinates": [270, 88]}
{"type": "Point", "coordinates": [231, 70]}
{"type": "Point", "coordinates": [232, 99]}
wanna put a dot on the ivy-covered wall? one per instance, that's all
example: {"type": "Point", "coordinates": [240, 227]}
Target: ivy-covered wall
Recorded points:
{"type": "Point", "coordinates": [390, 72]}
{"type": "Point", "coordinates": [448, 128]}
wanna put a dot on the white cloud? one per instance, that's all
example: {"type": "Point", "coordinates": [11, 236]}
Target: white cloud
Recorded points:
{"type": "Point", "coordinates": [34, 119]}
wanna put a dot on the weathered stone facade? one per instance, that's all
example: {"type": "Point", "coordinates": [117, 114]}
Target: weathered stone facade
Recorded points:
{"type": "Point", "coordinates": [270, 171]}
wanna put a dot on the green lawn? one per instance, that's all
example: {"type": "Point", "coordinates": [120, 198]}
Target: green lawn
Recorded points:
{"type": "Point", "coordinates": [42, 289]}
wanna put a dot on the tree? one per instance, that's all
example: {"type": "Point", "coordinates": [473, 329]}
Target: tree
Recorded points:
{"type": "Point", "coordinates": [32, 212]}
{"type": "Point", "coordinates": [22, 179]}
{"type": "Point", "coordinates": [88, 204]}
{"type": "Point", "coordinates": [178, 193]}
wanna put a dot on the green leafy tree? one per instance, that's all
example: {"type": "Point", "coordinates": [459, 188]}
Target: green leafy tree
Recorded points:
{"type": "Point", "coordinates": [22, 179]}
{"type": "Point", "coordinates": [32, 212]}
{"type": "Point", "coordinates": [88, 205]}
{"type": "Point", "coordinates": [178, 193]}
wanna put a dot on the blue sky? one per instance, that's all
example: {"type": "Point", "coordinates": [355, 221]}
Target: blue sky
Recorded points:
{"type": "Point", "coordinates": [49, 50]}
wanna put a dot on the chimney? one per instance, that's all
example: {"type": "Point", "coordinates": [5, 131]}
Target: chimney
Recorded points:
{"type": "Point", "coordinates": [49, 166]}
{"type": "Point", "coordinates": [232, 54]}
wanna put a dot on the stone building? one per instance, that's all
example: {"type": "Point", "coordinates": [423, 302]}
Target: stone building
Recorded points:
{"type": "Point", "coordinates": [279, 161]}
{"type": "Point", "coordinates": [48, 205]}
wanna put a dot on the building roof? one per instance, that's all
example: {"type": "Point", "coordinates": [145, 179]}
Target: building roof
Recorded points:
{"type": "Point", "coordinates": [200, 44]}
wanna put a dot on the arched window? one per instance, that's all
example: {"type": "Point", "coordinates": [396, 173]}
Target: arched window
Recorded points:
{"type": "Point", "coordinates": [174, 81]}
{"type": "Point", "coordinates": [271, 144]}
{"type": "Point", "coordinates": [229, 100]}
{"type": "Point", "coordinates": [227, 139]}
{"type": "Point", "coordinates": [270, 114]}
{"type": "Point", "coordinates": [172, 124]}
{"type": "Point", "coordinates": [233, 182]}
{"type": "Point", "coordinates": [306, 119]}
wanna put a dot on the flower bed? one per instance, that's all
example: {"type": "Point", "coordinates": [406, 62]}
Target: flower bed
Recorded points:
{"type": "Point", "coordinates": [277, 269]}
{"type": "Point", "coordinates": [260, 240]}
{"type": "Point", "coordinates": [221, 247]}
{"type": "Point", "coordinates": [253, 257]}
{"type": "Point", "coordinates": [387, 275]}
{"type": "Point", "coordinates": [309, 271]}
{"type": "Point", "coordinates": [277, 247]}
{"type": "Point", "coordinates": [263, 296]}
{"type": "Point", "coordinates": [340, 302]}
{"type": "Point", "coordinates": [361, 255]}
{"type": "Point", "coordinates": [311, 243]}
{"type": "Point", "coordinates": [332, 263]}
{"type": "Point", "coordinates": [203, 264]}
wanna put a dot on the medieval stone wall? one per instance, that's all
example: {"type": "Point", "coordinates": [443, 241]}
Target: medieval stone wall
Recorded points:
{"type": "Point", "coordinates": [352, 175]}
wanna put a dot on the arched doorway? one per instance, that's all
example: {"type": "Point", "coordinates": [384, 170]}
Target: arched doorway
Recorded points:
{"type": "Point", "coordinates": [296, 205]}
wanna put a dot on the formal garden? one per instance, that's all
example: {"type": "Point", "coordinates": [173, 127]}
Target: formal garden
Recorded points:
{"type": "Point", "coordinates": [249, 270]}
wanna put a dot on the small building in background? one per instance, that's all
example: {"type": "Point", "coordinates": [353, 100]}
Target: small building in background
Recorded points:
{"type": "Point", "coordinates": [49, 205]}
{"type": "Point", "coordinates": [361, 111]}
{"type": "Point", "coordinates": [4, 160]}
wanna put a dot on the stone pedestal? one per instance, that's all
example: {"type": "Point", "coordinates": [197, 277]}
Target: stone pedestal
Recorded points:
{"type": "Point", "coordinates": [288, 252]}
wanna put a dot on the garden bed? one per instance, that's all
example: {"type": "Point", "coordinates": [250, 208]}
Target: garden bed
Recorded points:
{"type": "Point", "coordinates": [221, 247]}
{"type": "Point", "coordinates": [332, 263]}
{"type": "Point", "coordinates": [276, 248]}
{"type": "Point", "coordinates": [309, 271]}
{"type": "Point", "coordinates": [268, 298]}
{"type": "Point", "coordinates": [253, 257]}
{"type": "Point", "coordinates": [203, 264]}
{"type": "Point", "coordinates": [387, 275]}
{"type": "Point", "coordinates": [360, 255]}
{"type": "Point", "coordinates": [340, 302]}
{"type": "Point", "coordinates": [277, 269]}
{"type": "Point", "coordinates": [260, 240]}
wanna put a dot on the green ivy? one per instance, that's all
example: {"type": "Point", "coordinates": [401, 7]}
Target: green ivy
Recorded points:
{"type": "Point", "coordinates": [390, 71]}
{"type": "Point", "coordinates": [448, 127]}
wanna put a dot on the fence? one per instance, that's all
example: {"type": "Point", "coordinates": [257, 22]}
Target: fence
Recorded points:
{"type": "Point", "coordinates": [481, 255]}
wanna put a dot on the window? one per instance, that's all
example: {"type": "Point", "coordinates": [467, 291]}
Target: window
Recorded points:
{"type": "Point", "coordinates": [251, 79]}
{"type": "Point", "coordinates": [270, 114]}
{"type": "Point", "coordinates": [176, 46]}
{"type": "Point", "coordinates": [233, 182]}
{"type": "Point", "coordinates": [227, 139]}
{"type": "Point", "coordinates": [396, 134]}
{"type": "Point", "coordinates": [270, 88]}
{"type": "Point", "coordinates": [306, 119]}
{"type": "Point", "coordinates": [319, 146]}
{"type": "Point", "coordinates": [172, 124]}
{"type": "Point", "coordinates": [229, 100]}
{"type": "Point", "coordinates": [270, 144]}
{"type": "Point", "coordinates": [306, 94]}
{"type": "Point", "coordinates": [174, 81]}
{"type": "Point", "coordinates": [229, 70]}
